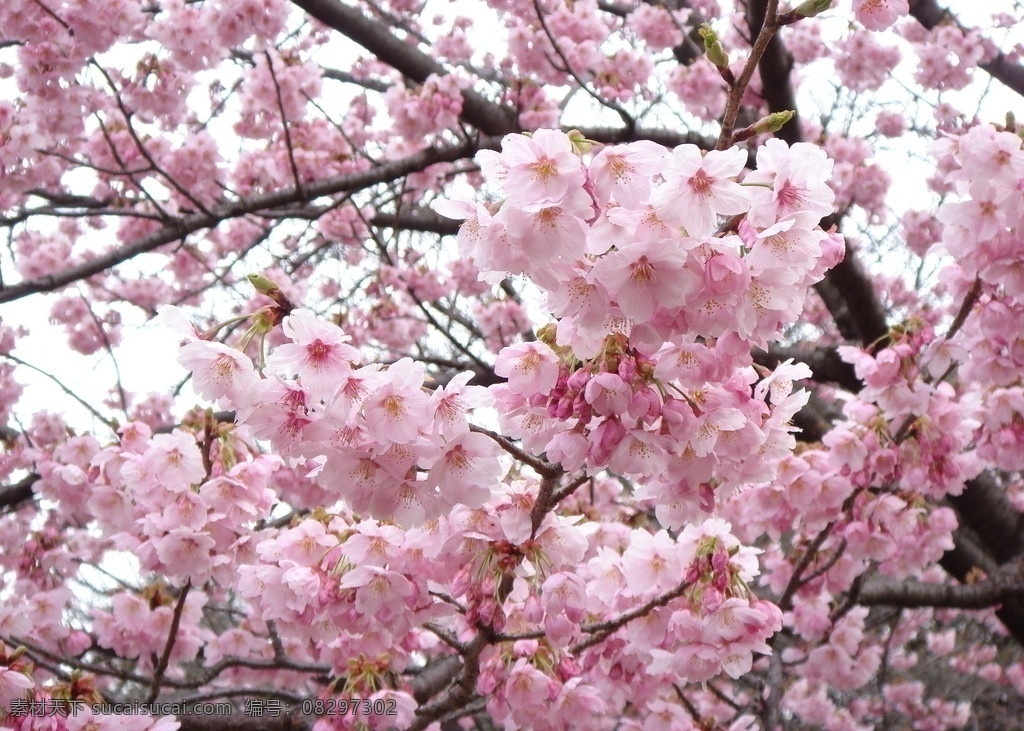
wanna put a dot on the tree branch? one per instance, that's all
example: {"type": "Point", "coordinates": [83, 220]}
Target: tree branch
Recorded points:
{"type": "Point", "coordinates": [985, 508]}
{"type": "Point", "coordinates": [929, 14]}
{"type": "Point", "coordinates": [487, 116]}
{"type": "Point", "coordinates": [182, 227]}
{"type": "Point", "coordinates": [825, 364]}
{"type": "Point", "coordinates": [913, 594]}
{"type": "Point", "coordinates": [12, 496]}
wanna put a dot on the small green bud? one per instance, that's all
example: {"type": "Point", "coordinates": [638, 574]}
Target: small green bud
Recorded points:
{"type": "Point", "coordinates": [810, 8]}
{"type": "Point", "coordinates": [265, 319]}
{"type": "Point", "coordinates": [262, 284]}
{"type": "Point", "coordinates": [580, 144]}
{"type": "Point", "coordinates": [547, 334]}
{"type": "Point", "coordinates": [713, 47]}
{"type": "Point", "coordinates": [773, 122]}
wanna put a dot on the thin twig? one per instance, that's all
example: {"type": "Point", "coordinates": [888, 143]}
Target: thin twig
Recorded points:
{"type": "Point", "coordinates": [172, 636]}
{"type": "Point", "coordinates": [284, 123]}
{"type": "Point", "coordinates": [109, 422]}
{"type": "Point", "coordinates": [600, 631]}
{"type": "Point", "coordinates": [541, 467]}
{"type": "Point", "coordinates": [732, 107]}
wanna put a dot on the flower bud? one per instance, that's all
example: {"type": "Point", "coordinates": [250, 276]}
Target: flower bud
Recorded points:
{"type": "Point", "coordinates": [580, 144]}
{"type": "Point", "coordinates": [713, 47]}
{"type": "Point", "coordinates": [810, 8]}
{"type": "Point", "coordinates": [773, 122]}
{"type": "Point", "coordinates": [265, 319]}
{"type": "Point", "coordinates": [262, 284]}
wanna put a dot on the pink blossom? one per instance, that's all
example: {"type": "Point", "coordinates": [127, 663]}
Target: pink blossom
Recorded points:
{"type": "Point", "coordinates": [453, 402]}
{"type": "Point", "coordinates": [652, 563]}
{"type": "Point", "coordinates": [643, 276]}
{"type": "Point", "coordinates": [623, 172]}
{"type": "Point", "coordinates": [529, 367]}
{"type": "Point", "coordinates": [468, 469]}
{"type": "Point", "coordinates": [13, 684]}
{"type": "Point", "coordinates": [219, 371]}
{"type": "Point", "coordinates": [318, 354]}
{"type": "Point", "coordinates": [173, 460]}
{"type": "Point", "coordinates": [879, 14]}
{"type": "Point", "coordinates": [701, 186]}
{"type": "Point", "coordinates": [186, 553]}
{"type": "Point", "coordinates": [541, 169]}
{"type": "Point", "coordinates": [380, 593]}
{"type": "Point", "coordinates": [795, 179]}
{"type": "Point", "coordinates": [398, 409]}
{"type": "Point", "coordinates": [863, 63]}
{"type": "Point", "coordinates": [655, 26]}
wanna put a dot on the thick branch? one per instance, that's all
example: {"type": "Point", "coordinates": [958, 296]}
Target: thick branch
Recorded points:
{"type": "Point", "coordinates": [912, 594]}
{"type": "Point", "coordinates": [434, 677]}
{"type": "Point", "coordinates": [761, 19]}
{"type": "Point", "coordinates": [489, 117]}
{"type": "Point", "coordinates": [666, 137]}
{"type": "Point", "coordinates": [276, 199]}
{"type": "Point", "coordinates": [241, 722]}
{"type": "Point", "coordinates": [774, 67]}
{"type": "Point", "coordinates": [458, 693]}
{"type": "Point", "coordinates": [12, 496]}
{"type": "Point", "coordinates": [847, 291]}
{"type": "Point", "coordinates": [984, 507]}
{"type": "Point", "coordinates": [929, 14]}
{"type": "Point", "coordinates": [417, 219]}
{"type": "Point", "coordinates": [852, 301]}
{"type": "Point", "coordinates": [825, 364]}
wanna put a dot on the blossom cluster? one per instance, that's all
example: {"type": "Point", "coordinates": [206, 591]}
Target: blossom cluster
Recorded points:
{"type": "Point", "coordinates": [663, 268]}
{"type": "Point", "coordinates": [932, 411]}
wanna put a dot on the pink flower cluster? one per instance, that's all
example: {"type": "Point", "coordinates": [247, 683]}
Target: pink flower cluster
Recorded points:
{"type": "Point", "coordinates": [378, 439]}
{"type": "Point", "coordinates": [933, 411]}
{"type": "Point", "coordinates": [451, 546]}
{"type": "Point", "coordinates": [663, 267]}
{"type": "Point", "coordinates": [427, 110]}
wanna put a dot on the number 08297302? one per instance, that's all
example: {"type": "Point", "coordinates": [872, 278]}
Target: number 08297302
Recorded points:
{"type": "Point", "coordinates": [342, 706]}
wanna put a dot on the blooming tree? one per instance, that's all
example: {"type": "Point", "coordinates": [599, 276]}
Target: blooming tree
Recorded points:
{"type": "Point", "coordinates": [605, 365]}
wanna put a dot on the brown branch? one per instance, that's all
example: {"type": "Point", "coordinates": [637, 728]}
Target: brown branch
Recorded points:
{"type": "Point", "coordinates": [284, 123]}
{"type": "Point", "coordinates": [182, 227]}
{"type": "Point", "coordinates": [110, 423]}
{"type": "Point", "coordinates": [763, 17]}
{"type": "Point", "coordinates": [346, 78]}
{"type": "Point", "coordinates": [141, 147]}
{"type": "Point", "coordinates": [824, 361]}
{"type": "Point", "coordinates": [489, 117]}
{"type": "Point", "coordinates": [929, 14]}
{"type": "Point", "coordinates": [966, 306]}
{"type": "Point", "coordinates": [601, 630]}
{"type": "Point", "coordinates": [567, 69]}
{"type": "Point", "coordinates": [545, 501]}
{"type": "Point", "coordinates": [417, 219]}
{"type": "Point", "coordinates": [172, 637]}
{"type": "Point", "coordinates": [913, 594]}
{"type": "Point", "coordinates": [460, 692]}
{"type": "Point", "coordinates": [666, 137]}
{"type": "Point", "coordinates": [774, 67]}
{"type": "Point", "coordinates": [984, 507]}
{"type": "Point", "coordinates": [244, 722]}
{"type": "Point", "coordinates": [847, 291]}
{"type": "Point", "coordinates": [13, 495]}
{"type": "Point", "coordinates": [851, 299]}
{"type": "Point", "coordinates": [434, 677]}
{"type": "Point", "coordinates": [544, 469]}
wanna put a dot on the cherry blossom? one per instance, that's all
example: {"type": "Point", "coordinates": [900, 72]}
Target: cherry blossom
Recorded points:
{"type": "Point", "coordinates": [544, 364]}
